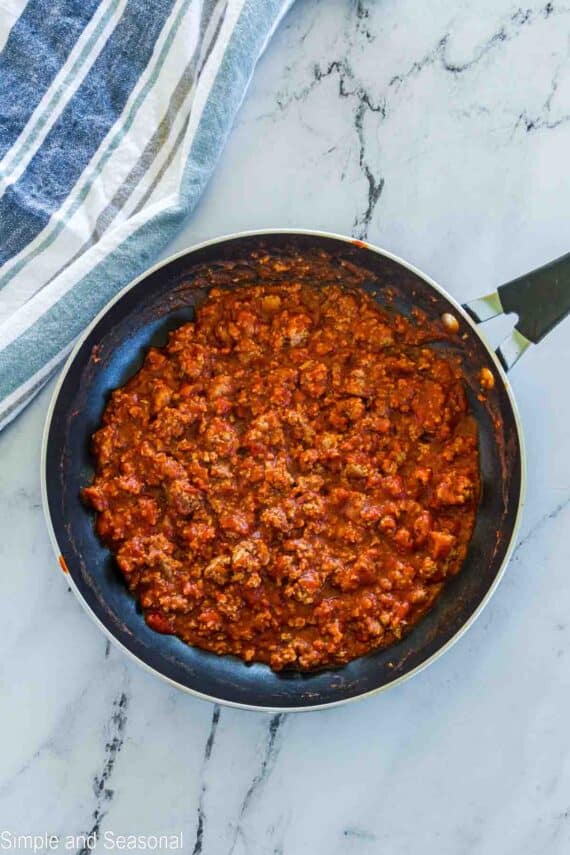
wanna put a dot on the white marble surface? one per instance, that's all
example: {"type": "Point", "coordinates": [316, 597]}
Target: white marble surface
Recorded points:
{"type": "Point", "coordinates": [441, 130]}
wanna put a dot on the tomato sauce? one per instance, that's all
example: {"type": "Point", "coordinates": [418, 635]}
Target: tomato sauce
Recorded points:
{"type": "Point", "coordinates": [293, 477]}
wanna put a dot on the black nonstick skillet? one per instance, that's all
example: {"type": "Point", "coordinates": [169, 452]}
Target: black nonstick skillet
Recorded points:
{"type": "Point", "coordinates": [111, 350]}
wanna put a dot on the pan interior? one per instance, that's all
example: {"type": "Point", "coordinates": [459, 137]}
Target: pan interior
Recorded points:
{"type": "Point", "coordinates": [113, 350]}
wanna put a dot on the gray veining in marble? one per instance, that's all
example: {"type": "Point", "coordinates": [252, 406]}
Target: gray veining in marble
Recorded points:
{"type": "Point", "coordinates": [440, 131]}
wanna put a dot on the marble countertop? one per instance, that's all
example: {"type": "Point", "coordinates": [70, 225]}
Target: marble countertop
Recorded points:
{"type": "Point", "coordinates": [441, 132]}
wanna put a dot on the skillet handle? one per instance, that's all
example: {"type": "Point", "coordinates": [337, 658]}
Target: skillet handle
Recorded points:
{"type": "Point", "coordinates": [541, 299]}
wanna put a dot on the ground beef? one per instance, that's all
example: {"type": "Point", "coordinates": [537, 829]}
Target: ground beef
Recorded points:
{"type": "Point", "coordinates": [292, 477]}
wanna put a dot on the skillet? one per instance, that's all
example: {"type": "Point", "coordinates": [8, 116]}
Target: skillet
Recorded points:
{"type": "Point", "coordinates": [111, 350]}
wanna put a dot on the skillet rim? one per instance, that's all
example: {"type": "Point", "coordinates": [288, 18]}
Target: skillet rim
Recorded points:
{"type": "Point", "coordinates": [475, 327]}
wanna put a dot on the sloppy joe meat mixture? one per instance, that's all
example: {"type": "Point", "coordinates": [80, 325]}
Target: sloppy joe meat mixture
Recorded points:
{"type": "Point", "coordinates": [292, 478]}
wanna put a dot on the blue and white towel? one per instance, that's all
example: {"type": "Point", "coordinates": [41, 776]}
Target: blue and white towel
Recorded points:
{"type": "Point", "coordinates": [112, 116]}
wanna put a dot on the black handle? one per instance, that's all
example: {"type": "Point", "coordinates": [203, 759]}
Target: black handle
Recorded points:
{"type": "Point", "coordinates": [541, 298]}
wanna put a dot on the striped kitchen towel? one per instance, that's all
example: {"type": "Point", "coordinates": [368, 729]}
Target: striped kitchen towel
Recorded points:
{"type": "Point", "coordinates": [112, 116]}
